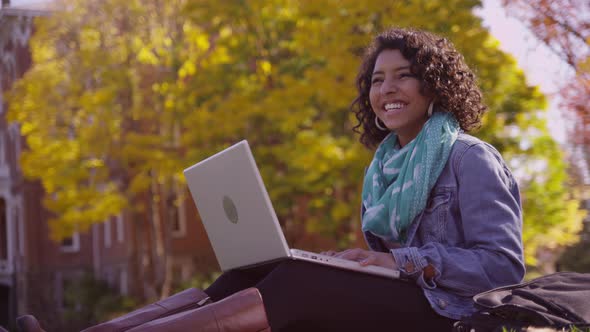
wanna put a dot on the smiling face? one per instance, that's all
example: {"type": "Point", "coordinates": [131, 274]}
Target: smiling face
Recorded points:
{"type": "Point", "coordinates": [395, 96]}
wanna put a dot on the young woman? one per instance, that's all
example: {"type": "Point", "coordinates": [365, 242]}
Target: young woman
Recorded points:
{"type": "Point", "coordinates": [438, 205]}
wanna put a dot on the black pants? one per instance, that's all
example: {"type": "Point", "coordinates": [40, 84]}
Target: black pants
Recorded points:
{"type": "Point", "coordinates": [301, 296]}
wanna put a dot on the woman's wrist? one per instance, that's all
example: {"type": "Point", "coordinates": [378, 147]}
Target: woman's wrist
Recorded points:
{"type": "Point", "coordinates": [429, 272]}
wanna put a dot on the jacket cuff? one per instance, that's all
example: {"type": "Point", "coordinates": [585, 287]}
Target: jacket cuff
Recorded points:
{"type": "Point", "coordinates": [411, 265]}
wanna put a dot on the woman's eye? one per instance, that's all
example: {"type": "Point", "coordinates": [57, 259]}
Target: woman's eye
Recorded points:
{"type": "Point", "coordinates": [404, 75]}
{"type": "Point", "coordinates": [376, 80]}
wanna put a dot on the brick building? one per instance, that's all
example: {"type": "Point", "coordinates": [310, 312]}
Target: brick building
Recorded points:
{"type": "Point", "coordinates": [34, 270]}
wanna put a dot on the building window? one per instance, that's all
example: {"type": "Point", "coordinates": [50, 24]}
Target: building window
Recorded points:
{"type": "Point", "coordinates": [59, 291]}
{"type": "Point", "coordinates": [66, 292]}
{"type": "Point", "coordinates": [107, 233]}
{"type": "Point", "coordinates": [109, 277]}
{"type": "Point", "coordinates": [14, 133]}
{"type": "Point", "coordinates": [120, 225]}
{"type": "Point", "coordinates": [3, 231]}
{"type": "Point", "coordinates": [176, 213]}
{"type": "Point", "coordinates": [67, 302]}
{"type": "Point", "coordinates": [186, 272]}
{"type": "Point", "coordinates": [71, 244]}
{"type": "Point", "coordinates": [20, 229]}
{"type": "Point", "coordinates": [3, 162]}
{"type": "Point", "coordinates": [123, 286]}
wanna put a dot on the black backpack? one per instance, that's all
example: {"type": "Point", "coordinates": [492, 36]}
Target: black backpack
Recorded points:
{"type": "Point", "coordinates": [560, 301]}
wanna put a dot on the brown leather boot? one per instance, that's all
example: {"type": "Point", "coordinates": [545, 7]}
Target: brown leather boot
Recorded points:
{"type": "Point", "coordinates": [28, 323]}
{"type": "Point", "coordinates": [241, 312]}
{"type": "Point", "coordinates": [189, 299]}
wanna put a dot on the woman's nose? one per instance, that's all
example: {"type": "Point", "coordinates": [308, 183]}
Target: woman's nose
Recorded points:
{"type": "Point", "coordinates": [389, 86]}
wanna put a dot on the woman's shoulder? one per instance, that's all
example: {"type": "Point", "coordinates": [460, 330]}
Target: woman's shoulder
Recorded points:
{"type": "Point", "coordinates": [467, 142]}
{"type": "Point", "coordinates": [478, 162]}
{"type": "Point", "coordinates": [470, 148]}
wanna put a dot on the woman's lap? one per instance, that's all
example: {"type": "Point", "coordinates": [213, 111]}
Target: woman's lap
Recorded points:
{"type": "Point", "coordinates": [299, 295]}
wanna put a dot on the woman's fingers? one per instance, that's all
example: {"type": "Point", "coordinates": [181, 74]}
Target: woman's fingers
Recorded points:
{"type": "Point", "coordinates": [353, 254]}
{"type": "Point", "coordinates": [365, 257]}
{"type": "Point", "coordinates": [370, 260]}
{"type": "Point", "coordinates": [383, 259]}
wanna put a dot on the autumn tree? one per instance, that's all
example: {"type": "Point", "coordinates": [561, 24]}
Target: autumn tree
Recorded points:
{"type": "Point", "coordinates": [99, 138]}
{"type": "Point", "coordinates": [123, 95]}
{"type": "Point", "coordinates": [564, 27]}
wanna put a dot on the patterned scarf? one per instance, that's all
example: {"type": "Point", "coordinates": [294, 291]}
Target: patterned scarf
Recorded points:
{"type": "Point", "coordinates": [398, 181]}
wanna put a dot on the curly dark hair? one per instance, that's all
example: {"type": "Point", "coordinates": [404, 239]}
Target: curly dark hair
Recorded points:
{"type": "Point", "coordinates": [441, 70]}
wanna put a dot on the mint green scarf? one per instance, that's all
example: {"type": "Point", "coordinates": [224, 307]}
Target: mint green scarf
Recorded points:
{"type": "Point", "coordinates": [398, 181]}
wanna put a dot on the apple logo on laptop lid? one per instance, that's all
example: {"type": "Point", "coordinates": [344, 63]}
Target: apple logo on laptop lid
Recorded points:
{"type": "Point", "coordinates": [230, 209]}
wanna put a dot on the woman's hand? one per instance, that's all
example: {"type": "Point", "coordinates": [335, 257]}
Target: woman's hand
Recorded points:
{"type": "Point", "coordinates": [366, 257]}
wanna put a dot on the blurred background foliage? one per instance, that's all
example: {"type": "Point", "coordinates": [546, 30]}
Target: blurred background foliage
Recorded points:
{"type": "Point", "coordinates": [88, 301]}
{"type": "Point", "coordinates": [123, 93]}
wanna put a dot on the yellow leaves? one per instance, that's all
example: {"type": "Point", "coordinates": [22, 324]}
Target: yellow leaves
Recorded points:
{"type": "Point", "coordinates": [140, 183]}
{"type": "Point", "coordinates": [162, 88]}
{"type": "Point", "coordinates": [146, 56]}
{"type": "Point", "coordinates": [168, 42]}
{"type": "Point", "coordinates": [341, 210]}
{"type": "Point", "coordinates": [27, 128]}
{"type": "Point", "coordinates": [202, 42]}
{"type": "Point", "coordinates": [92, 205]}
{"type": "Point", "coordinates": [220, 56]}
{"type": "Point", "coordinates": [196, 37]}
{"type": "Point", "coordinates": [90, 40]}
{"type": "Point", "coordinates": [43, 53]}
{"type": "Point", "coordinates": [187, 69]}
{"type": "Point", "coordinates": [265, 67]}
{"type": "Point", "coordinates": [584, 65]}
{"type": "Point", "coordinates": [314, 156]}
{"type": "Point", "coordinates": [225, 32]}
{"type": "Point", "coordinates": [93, 163]}
{"type": "Point", "coordinates": [169, 103]}
{"type": "Point", "coordinates": [551, 236]}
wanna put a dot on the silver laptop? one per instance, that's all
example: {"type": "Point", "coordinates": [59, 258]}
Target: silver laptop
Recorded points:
{"type": "Point", "coordinates": [239, 218]}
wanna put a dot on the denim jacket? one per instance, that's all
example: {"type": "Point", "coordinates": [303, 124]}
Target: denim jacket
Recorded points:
{"type": "Point", "coordinates": [470, 231]}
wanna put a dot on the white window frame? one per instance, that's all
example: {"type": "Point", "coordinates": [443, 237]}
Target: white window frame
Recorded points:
{"type": "Point", "coordinates": [120, 228]}
{"type": "Point", "coordinates": [75, 247]}
{"type": "Point", "coordinates": [181, 209]}
{"type": "Point", "coordinates": [4, 168]}
{"type": "Point", "coordinates": [61, 279]}
{"type": "Point", "coordinates": [19, 220]}
{"type": "Point", "coordinates": [59, 290]}
{"type": "Point", "coordinates": [107, 230]}
{"type": "Point", "coordinates": [123, 282]}
{"type": "Point", "coordinates": [6, 265]}
{"type": "Point", "coordinates": [15, 136]}
{"type": "Point", "coordinates": [186, 271]}
{"type": "Point", "coordinates": [109, 276]}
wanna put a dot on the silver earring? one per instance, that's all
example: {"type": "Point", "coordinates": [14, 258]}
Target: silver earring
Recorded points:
{"type": "Point", "coordinates": [430, 108]}
{"type": "Point", "coordinates": [379, 126]}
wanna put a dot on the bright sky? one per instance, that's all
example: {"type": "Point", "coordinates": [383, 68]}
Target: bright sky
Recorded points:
{"type": "Point", "coordinates": [16, 3]}
{"type": "Point", "coordinates": [542, 67]}
{"type": "Point", "coordinates": [26, 2]}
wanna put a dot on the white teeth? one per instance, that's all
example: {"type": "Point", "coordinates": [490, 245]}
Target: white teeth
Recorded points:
{"type": "Point", "coordinates": [393, 106]}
